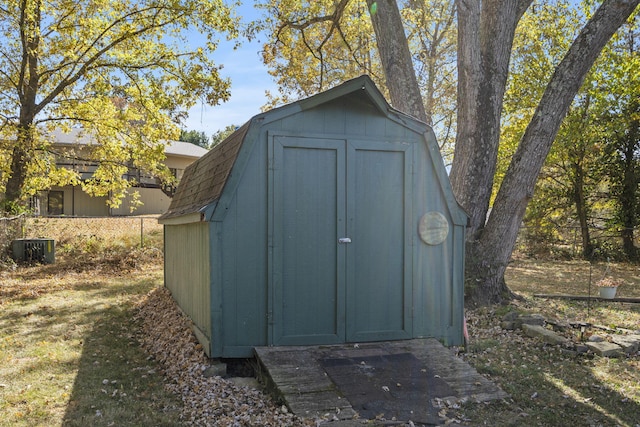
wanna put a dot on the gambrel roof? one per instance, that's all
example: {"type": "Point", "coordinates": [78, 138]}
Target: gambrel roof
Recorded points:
{"type": "Point", "coordinates": [204, 181]}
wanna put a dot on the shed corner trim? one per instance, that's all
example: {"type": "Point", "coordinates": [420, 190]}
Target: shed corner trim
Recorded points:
{"type": "Point", "coordinates": [183, 219]}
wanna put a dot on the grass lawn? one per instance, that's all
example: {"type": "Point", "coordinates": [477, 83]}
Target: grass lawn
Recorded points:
{"type": "Point", "coordinates": [69, 353]}
{"type": "Point", "coordinates": [68, 347]}
{"type": "Point", "coordinates": [550, 386]}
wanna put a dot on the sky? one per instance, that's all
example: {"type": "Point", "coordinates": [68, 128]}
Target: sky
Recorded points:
{"type": "Point", "coordinates": [249, 80]}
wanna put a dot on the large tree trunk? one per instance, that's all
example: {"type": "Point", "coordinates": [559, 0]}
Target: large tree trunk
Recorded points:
{"type": "Point", "coordinates": [19, 161]}
{"type": "Point", "coordinates": [494, 247]}
{"type": "Point", "coordinates": [485, 37]}
{"type": "Point", "coordinates": [28, 90]}
{"type": "Point", "coordinates": [396, 58]}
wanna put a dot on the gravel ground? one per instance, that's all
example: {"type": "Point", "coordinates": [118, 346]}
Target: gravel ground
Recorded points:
{"type": "Point", "coordinates": [166, 335]}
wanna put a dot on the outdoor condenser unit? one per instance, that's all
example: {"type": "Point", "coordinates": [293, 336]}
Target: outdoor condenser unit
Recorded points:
{"type": "Point", "coordinates": [34, 250]}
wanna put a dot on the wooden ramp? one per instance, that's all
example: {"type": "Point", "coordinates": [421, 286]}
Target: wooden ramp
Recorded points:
{"type": "Point", "coordinates": [402, 380]}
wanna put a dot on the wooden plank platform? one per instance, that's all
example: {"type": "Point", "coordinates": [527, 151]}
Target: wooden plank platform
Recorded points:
{"type": "Point", "coordinates": [299, 376]}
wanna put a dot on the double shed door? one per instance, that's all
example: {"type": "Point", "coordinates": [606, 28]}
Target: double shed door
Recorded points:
{"type": "Point", "coordinates": [339, 229]}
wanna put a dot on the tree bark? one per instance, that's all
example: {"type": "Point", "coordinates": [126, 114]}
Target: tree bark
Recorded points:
{"type": "Point", "coordinates": [396, 58]}
{"type": "Point", "coordinates": [30, 26]}
{"type": "Point", "coordinates": [629, 193]}
{"type": "Point", "coordinates": [485, 37]}
{"type": "Point", "coordinates": [582, 210]}
{"type": "Point", "coordinates": [492, 251]}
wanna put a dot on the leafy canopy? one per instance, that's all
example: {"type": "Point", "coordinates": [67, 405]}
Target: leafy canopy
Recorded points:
{"type": "Point", "coordinates": [315, 45]}
{"type": "Point", "coordinates": [125, 72]}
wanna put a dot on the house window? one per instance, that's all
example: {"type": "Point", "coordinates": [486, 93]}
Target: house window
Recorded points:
{"type": "Point", "coordinates": [55, 203]}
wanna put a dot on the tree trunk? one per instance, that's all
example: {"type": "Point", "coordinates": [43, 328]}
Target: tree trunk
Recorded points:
{"type": "Point", "coordinates": [629, 194]}
{"type": "Point", "coordinates": [582, 211]}
{"type": "Point", "coordinates": [485, 37]}
{"type": "Point", "coordinates": [19, 161]}
{"type": "Point", "coordinates": [499, 236]}
{"type": "Point", "coordinates": [28, 90]}
{"type": "Point", "coordinates": [396, 58]}
{"type": "Point", "coordinates": [22, 151]}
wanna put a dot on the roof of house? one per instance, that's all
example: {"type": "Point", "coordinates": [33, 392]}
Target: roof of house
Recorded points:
{"type": "Point", "coordinates": [204, 180]}
{"type": "Point", "coordinates": [175, 148]}
{"type": "Point", "coordinates": [185, 149]}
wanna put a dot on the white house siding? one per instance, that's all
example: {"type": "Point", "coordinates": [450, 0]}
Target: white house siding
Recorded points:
{"type": "Point", "coordinates": [154, 199]}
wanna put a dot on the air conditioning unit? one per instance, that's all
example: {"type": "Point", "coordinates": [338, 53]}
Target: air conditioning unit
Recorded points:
{"type": "Point", "coordinates": [34, 250]}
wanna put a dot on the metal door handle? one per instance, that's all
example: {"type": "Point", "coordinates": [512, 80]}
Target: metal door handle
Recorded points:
{"type": "Point", "coordinates": [344, 240]}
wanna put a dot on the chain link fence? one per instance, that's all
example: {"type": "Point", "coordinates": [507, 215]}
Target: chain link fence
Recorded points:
{"type": "Point", "coordinates": [78, 234]}
{"type": "Point", "coordinates": [85, 233]}
{"type": "Point", "coordinates": [566, 242]}
{"type": "Point", "coordinates": [10, 229]}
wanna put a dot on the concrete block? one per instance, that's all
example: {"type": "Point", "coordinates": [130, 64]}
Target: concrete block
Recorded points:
{"type": "Point", "coordinates": [558, 325]}
{"type": "Point", "coordinates": [511, 316]}
{"type": "Point", "coordinates": [546, 335]}
{"type": "Point", "coordinates": [629, 343]}
{"type": "Point", "coordinates": [508, 325]}
{"type": "Point", "coordinates": [531, 319]}
{"type": "Point", "coordinates": [605, 348]}
{"type": "Point", "coordinates": [217, 369]}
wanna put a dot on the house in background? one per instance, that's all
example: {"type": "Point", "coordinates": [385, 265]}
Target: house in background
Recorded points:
{"type": "Point", "coordinates": [73, 201]}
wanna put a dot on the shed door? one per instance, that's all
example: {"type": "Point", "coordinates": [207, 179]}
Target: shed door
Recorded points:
{"type": "Point", "coordinates": [323, 290]}
{"type": "Point", "coordinates": [378, 305]}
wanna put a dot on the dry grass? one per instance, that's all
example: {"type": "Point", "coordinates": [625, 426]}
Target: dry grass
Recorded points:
{"type": "Point", "coordinates": [550, 386]}
{"type": "Point", "coordinates": [69, 353]}
{"type": "Point", "coordinates": [570, 277]}
{"type": "Point", "coordinates": [68, 327]}
{"type": "Point", "coordinates": [68, 348]}
{"type": "Point", "coordinates": [529, 277]}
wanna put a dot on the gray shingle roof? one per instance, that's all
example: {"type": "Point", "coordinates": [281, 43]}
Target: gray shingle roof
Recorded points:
{"type": "Point", "coordinates": [204, 180]}
{"type": "Point", "coordinates": [78, 136]}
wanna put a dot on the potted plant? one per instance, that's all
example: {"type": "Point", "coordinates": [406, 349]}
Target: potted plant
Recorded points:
{"type": "Point", "coordinates": [608, 287]}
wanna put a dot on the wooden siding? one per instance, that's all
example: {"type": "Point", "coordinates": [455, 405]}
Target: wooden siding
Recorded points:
{"type": "Point", "coordinates": [240, 270]}
{"type": "Point", "coordinates": [187, 273]}
{"type": "Point", "coordinates": [278, 194]}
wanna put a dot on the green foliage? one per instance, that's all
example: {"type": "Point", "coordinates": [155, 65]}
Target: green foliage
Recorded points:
{"type": "Point", "coordinates": [542, 37]}
{"type": "Point", "coordinates": [125, 72]}
{"type": "Point", "coordinates": [620, 118]}
{"type": "Point", "coordinates": [221, 135]}
{"type": "Point", "coordinates": [194, 137]}
{"type": "Point", "coordinates": [315, 45]}
{"type": "Point", "coordinates": [582, 182]}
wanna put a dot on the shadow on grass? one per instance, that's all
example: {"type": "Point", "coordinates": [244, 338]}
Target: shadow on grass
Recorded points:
{"type": "Point", "coordinates": [115, 384]}
{"type": "Point", "coordinates": [557, 391]}
{"type": "Point", "coordinates": [69, 353]}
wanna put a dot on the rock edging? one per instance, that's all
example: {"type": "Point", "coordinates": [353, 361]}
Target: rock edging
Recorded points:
{"type": "Point", "coordinates": [610, 345]}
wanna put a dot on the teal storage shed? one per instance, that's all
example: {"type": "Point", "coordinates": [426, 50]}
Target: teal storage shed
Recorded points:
{"type": "Point", "coordinates": [328, 220]}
